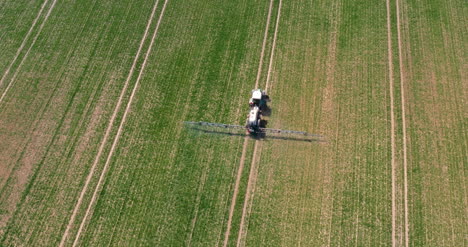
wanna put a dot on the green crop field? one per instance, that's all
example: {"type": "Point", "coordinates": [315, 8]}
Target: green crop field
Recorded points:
{"type": "Point", "coordinates": [94, 152]}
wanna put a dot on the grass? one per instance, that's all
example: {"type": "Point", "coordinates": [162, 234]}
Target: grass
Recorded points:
{"type": "Point", "coordinates": [185, 192]}
{"type": "Point", "coordinates": [433, 50]}
{"type": "Point", "coordinates": [61, 109]}
{"type": "Point", "coordinates": [16, 18]}
{"type": "Point", "coordinates": [168, 185]}
{"type": "Point", "coordinates": [185, 85]}
{"type": "Point", "coordinates": [329, 78]}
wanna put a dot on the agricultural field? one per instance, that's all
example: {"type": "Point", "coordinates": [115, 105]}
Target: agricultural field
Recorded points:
{"type": "Point", "coordinates": [94, 152]}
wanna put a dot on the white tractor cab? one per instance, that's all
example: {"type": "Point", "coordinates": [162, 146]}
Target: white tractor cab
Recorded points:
{"type": "Point", "coordinates": [259, 98]}
{"type": "Point", "coordinates": [257, 103]}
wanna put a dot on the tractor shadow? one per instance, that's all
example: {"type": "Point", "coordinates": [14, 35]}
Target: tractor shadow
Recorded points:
{"type": "Point", "coordinates": [266, 111]}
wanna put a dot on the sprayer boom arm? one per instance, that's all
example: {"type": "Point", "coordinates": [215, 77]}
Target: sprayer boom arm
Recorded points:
{"type": "Point", "coordinates": [262, 130]}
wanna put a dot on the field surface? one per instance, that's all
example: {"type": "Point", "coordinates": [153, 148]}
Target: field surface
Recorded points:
{"type": "Point", "coordinates": [94, 152]}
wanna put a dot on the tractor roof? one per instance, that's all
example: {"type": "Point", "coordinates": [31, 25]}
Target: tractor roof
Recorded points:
{"type": "Point", "coordinates": [257, 94]}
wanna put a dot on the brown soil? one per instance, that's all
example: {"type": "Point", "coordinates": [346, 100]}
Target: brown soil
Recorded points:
{"type": "Point", "coordinates": [392, 117]}
{"type": "Point", "coordinates": [403, 117]}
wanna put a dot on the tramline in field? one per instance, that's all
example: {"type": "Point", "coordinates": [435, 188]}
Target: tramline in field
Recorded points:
{"type": "Point", "coordinates": [255, 124]}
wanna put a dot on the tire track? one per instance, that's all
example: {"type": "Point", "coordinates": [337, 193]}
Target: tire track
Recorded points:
{"type": "Point", "coordinates": [27, 52]}
{"type": "Point", "coordinates": [119, 131]}
{"type": "Point", "coordinates": [250, 187]}
{"type": "Point", "coordinates": [26, 158]}
{"type": "Point", "coordinates": [111, 123]}
{"type": "Point", "coordinates": [262, 54]}
{"type": "Point", "coordinates": [23, 43]}
{"type": "Point", "coordinates": [236, 191]}
{"type": "Point", "coordinates": [253, 175]}
{"type": "Point", "coordinates": [246, 139]}
{"type": "Point", "coordinates": [403, 117]}
{"type": "Point", "coordinates": [273, 47]}
{"type": "Point", "coordinates": [392, 120]}
{"type": "Point", "coordinates": [41, 113]}
{"type": "Point", "coordinates": [197, 206]}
